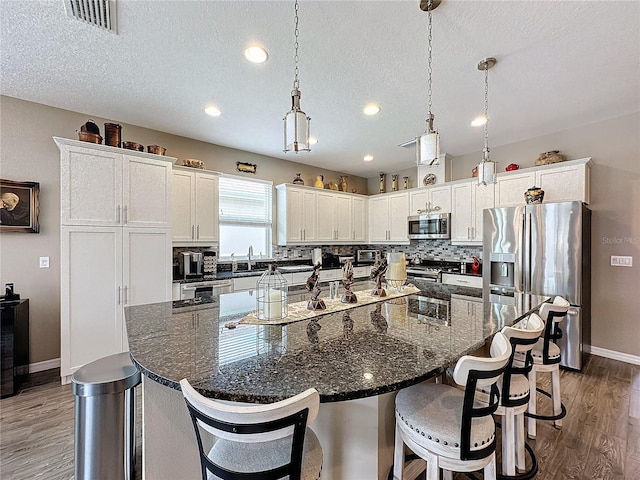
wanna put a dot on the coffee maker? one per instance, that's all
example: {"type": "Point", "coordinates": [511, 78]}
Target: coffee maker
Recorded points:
{"type": "Point", "coordinates": [190, 265]}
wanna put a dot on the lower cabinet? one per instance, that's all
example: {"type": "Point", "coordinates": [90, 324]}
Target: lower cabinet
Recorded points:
{"type": "Point", "coordinates": [466, 312]}
{"type": "Point", "coordinates": [462, 280]}
{"type": "Point", "coordinates": [103, 270]}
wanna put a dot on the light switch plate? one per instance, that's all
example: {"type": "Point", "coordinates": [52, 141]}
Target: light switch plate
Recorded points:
{"type": "Point", "coordinates": [44, 262]}
{"type": "Point", "coordinates": [620, 261]}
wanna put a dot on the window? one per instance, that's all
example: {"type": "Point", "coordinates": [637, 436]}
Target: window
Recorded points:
{"type": "Point", "coordinates": [245, 216]}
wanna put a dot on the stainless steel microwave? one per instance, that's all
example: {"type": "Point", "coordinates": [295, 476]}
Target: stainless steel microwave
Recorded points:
{"type": "Point", "coordinates": [429, 226]}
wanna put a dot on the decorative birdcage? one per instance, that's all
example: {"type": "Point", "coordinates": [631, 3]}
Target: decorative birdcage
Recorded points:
{"type": "Point", "coordinates": [271, 295]}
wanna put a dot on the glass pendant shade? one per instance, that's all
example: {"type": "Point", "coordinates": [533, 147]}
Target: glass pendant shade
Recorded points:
{"type": "Point", "coordinates": [296, 127]}
{"type": "Point", "coordinates": [428, 148]}
{"type": "Point", "coordinates": [397, 270]}
{"type": "Point", "coordinates": [486, 171]}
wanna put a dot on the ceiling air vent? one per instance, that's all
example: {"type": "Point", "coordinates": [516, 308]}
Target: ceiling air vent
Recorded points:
{"type": "Point", "coordinates": [101, 13]}
{"type": "Point", "coordinates": [408, 143]}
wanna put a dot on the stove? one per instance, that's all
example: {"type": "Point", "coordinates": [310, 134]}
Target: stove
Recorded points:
{"type": "Point", "coordinates": [427, 273]}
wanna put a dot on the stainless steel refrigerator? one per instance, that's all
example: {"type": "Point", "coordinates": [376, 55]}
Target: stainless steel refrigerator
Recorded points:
{"type": "Point", "coordinates": [544, 249]}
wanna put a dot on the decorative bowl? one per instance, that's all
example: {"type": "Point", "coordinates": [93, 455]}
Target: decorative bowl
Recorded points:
{"type": "Point", "coordinates": [91, 137]}
{"type": "Point", "coordinates": [156, 149]}
{"type": "Point", "coordinates": [193, 163]}
{"type": "Point", "coordinates": [133, 146]}
{"type": "Point", "coordinates": [534, 195]}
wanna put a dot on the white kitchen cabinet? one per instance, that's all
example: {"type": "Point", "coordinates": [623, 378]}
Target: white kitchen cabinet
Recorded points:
{"type": "Point", "coordinates": [115, 239]}
{"type": "Point", "coordinates": [564, 181]}
{"type": "Point", "coordinates": [102, 185]}
{"type": "Point", "coordinates": [245, 283]}
{"type": "Point", "coordinates": [103, 270]}
{"type": "Point", "coordinates": [468, 202]}
{"type": "Point", "coordinates": [361, 272]}
{"type": "Point", "coordinates": [462, 280]}
{"type": "Point", "coordinates": [430, 198]}
{"type": "Point", "coordinates": [297, 213]}
{"type": "Point", "coordinates": [333, 217]}
{"type": "Point", "coordinates": [388, 218]}
{"type": "Point", "coordinates": [466, 321]}
{"type": "Point", "coordinates": [359, 219]}
{"type": "Point", "coordinates": [195, 206]}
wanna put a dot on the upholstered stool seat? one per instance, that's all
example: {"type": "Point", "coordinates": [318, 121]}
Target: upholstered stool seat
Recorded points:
{"type": "Point", "coordinates": [554, 351]}
{"type": "Point", "coordinates": [257, 457]}
{"type": "Point", "coordinates": [450, 428]}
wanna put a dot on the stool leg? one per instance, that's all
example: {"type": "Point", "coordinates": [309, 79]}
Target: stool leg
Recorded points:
{"type": "Point", "coordinates": [398, 455]}
{"type": "Point", "coordinates": [508, 443]}
{"type": "Point", "coordinates": [490, 468]}
{"type": "Point", "coordinates": [555, 394]}
{"type": "Point", "coordinates": [533, 397]}
{"type": "Point", "coordinates": [520, 458]}
{"type": "Point", "coordinates": [433, 470]}
{"type": "Point", "coordinates": [447, 475]}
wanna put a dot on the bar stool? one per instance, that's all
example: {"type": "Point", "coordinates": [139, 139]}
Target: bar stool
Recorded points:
{"type": "Point", "coordinates": [269, 441]}
{"type": "Point", "coordinates": [515, 392]}
{"type": "Point", "coordinates": [445, 426]}
{"type": "Point", "coordinates": [546, 358]}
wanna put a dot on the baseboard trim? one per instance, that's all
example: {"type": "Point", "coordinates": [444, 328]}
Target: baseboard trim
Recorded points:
{"type": "Point", "coordinates": [613, 355]}
{"type": "Point", "coordinates": [38, 366]}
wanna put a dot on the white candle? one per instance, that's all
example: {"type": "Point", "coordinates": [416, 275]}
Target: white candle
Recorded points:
{"type": "Point", "coordinates": [273, 304]}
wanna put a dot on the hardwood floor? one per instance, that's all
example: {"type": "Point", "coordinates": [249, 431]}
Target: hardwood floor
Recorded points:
{"type": "Point", "coordinates": [600, 438]}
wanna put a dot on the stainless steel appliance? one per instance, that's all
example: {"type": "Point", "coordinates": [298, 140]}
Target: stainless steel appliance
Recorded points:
{"type": "Point", "coordinates": [205, 288]}
{"type": "Point", "coordinates": [429, 226]}
{"type": "Point", "coordinates": [430, 274]}
{"type": "Point", "coordinates": [544, 249]}
{"type": "Point", "coordinates": [190, 264]}
{"type": "Point", "coordinates": [367, 256]}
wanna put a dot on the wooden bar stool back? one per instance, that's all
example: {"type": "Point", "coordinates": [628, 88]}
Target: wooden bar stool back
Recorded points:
{"type": "Point", "coordinates": [447, 426]}
{"type": "Point", "coordinates": [257, 442]}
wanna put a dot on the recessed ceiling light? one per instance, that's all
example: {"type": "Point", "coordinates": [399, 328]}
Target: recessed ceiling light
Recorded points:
{"type": "Point", "coordinates": [313, 140]}
{"type": "Point", "coordinates": [371, 109]}
{"type": "Point", "coordinates": [256, 54]}
{"type": "Point", "coordinates": [213, 111]}
{"type": "Point", "coordinates": [368, 158]}
{"type": "Point", "coordinates": [479, 121]}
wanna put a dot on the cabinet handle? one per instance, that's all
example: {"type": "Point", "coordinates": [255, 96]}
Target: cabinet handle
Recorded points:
{"type": "Point", "coordinates": [126, 291]}
{"type": "Point", "coordinates": [198, 232]}
{"type": "Point", "coordinates": [118, 214]}
{"type": "Point", "coordinates": [193, 228]}
{"type": "Point", "coordinates": [118, 295]}
{"type": "Point", "coordinates": [468, 233]}
{"type": "Point", "coordinates": [473, 232]}
{"type": "Point", "coordinates": [125, 211]}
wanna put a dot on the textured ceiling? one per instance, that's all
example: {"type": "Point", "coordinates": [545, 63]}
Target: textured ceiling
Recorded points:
{"type": "Point", "coordinates": [560, 64]}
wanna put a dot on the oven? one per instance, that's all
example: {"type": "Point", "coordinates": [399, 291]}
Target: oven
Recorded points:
{"type": "Point", "coordinates": [419, 272]}
{"type": "Point", "coordinates": [205, 288]}
{"type": "Point", "coordinates": [429, 226]}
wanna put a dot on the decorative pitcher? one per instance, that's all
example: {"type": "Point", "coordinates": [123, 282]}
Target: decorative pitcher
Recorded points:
{"type": "Point", "coordinates": [319, 183]}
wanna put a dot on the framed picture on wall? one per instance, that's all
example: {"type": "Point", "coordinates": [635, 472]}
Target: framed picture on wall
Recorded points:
{"type": "Point", "coordinates": [19, 206]}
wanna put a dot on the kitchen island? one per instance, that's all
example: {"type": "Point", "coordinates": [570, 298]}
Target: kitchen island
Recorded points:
{"type": "Point", "coordinates": [355, 359]}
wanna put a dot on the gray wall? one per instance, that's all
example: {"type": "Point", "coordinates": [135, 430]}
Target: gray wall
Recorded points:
{"type": "Point", "coordinates": [28, 153]}
{"type": "Point", "coordinates": [614, 147]}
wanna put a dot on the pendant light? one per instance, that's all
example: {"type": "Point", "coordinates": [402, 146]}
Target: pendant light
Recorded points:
{"type": "Point", "coordinates": [428, 144]}
{"type": "Point", "coordinates": [486, 168]}
{"type": "Point", "coordinates": [296, 122]}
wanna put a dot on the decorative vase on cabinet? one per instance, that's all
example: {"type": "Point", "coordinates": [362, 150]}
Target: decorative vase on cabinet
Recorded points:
{"type": "Point", "coordinates": [319, 183]}
{"type": "Point", "coordinates": [344, 186]}
{"type": "Point", "coordinates": [298, 180]}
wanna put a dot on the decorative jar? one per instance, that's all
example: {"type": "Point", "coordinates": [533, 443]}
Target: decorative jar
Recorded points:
{"type": "Point", "coordinates": [298, 180]}
{"type": "Point", "coordinates": [534, 195]}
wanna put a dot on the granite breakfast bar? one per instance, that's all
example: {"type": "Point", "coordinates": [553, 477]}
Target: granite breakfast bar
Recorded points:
{"type": "Point", "coordinates": [356, 360]}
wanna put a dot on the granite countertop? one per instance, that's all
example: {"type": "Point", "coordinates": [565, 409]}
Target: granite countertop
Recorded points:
{"type": "Point", "coordinates": [367, 351]}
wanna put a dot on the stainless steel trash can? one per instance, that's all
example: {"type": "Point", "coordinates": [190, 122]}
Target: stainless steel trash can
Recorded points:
{"type": "Point", "coordinates": [105, 418]}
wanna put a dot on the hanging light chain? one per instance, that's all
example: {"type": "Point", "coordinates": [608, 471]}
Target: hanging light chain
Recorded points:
{"type": "Point", "coordinates": [486, 105]}
{"type": "Point", "coordinates": [296, 58]}
{"type": "Point", "coordinates": [429, 69]}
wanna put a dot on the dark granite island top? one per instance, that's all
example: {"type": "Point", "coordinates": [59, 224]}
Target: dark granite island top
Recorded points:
{"type": "Point", "coordinates": [373, 350]}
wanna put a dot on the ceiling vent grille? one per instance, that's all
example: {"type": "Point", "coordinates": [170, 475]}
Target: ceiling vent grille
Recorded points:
{"type": "Point", "coordinates": [409, 143]}
{"type": "Point", "coordinates": [101, 13]}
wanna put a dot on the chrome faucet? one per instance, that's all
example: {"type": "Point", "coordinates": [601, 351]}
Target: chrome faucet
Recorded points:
{"type": "Point", "coordinates": [249, 255]}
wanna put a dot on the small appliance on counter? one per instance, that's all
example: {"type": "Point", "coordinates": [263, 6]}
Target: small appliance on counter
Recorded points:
{"type": "Point", "coordinates": [190, 265]}
{"type": "Point", "coordinates": [367, 256]}
{"type": "Point", "coordinates": [209, 264]}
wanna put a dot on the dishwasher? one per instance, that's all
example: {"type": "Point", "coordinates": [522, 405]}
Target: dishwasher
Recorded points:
{"type": "Point", "coordinates": [205, 288]}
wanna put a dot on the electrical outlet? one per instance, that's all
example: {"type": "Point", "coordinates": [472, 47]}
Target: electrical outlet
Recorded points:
{"type": "Point", "coordinates": [620, 261]}
{"type": "Point", "coordinates": [44, 262]}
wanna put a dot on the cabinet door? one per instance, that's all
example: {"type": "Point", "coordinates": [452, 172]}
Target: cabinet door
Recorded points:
{"type": "Point", "coordinates": [90, 187]}
{"type": "Point", "coordinates": [294, 200]}
{"type": "Point", "coordinates": [398, 213]}
{"type": "Point", "coordinates": [418, 199]}
{"type": "Point", "coordinates": [359, 219]}
{"type": "Point", "coordinates": [146, 197]}
{"type": "Point", "coordinates": [510, 188]}
{"type": "Point", "coordinates": [379, 219]}
{"type": "Point", "coordinates": [309, 206]}
{"type": "Point", "coordinates": [343, 218]}
{"type": "Point", "coordinates": [91, 322]}
{"type": "Point", "coordinates": [183, 206]}
{"type": "Point", "coordinates": [483, 197]}
{"type": "Point", "coordinates": [461, 216]}
{"type": "Point", "coordinates": [206, 220]}
{"type": "Point", "coordinates": [440, 197]}
{"type": "Point", "coordinates": [563, 184]}
{"type": "Point", "coordinates": [326, 214]}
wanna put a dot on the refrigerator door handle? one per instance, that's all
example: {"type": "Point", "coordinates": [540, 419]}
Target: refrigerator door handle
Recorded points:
{"type": "Point", "coordinates": [527, 249]}
{"type": "Point", "coordinates": [519, 278]}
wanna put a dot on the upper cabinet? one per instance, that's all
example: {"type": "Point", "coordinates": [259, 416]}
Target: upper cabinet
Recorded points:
{"type": "Point", "coordinates": [565, 181]}
{"type": "Point", "coordinates": [195, 206]}
{"type": "Point", "coordinates": [436, 198]}
{"type": "Point", "coordinates": [468, 201]}
{"type": "Point", "coordinates": [104, 186]}
{"type": "Point", "coordinates": [307, 215]}
{"type": "Point", "coordinates": [388, 218]}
